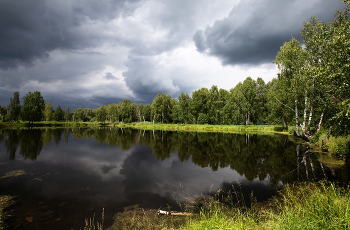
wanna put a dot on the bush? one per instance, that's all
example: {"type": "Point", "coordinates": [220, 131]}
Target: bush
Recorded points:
{"type": "Point", "coordinates": [340, 146]}
{"type": "Point", "coordinates": [127, 120]}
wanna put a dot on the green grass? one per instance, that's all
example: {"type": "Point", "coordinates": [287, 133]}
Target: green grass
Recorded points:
{"type": "Point", "coordinates": [205, 127]}
{"type": "Point", "coordinates": [151, 126]}
{"type": "Point", "coordinates": [321, 205]}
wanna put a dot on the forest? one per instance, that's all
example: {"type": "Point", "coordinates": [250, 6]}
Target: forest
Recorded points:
{"type": "Point", "coordinates": [311, 88]}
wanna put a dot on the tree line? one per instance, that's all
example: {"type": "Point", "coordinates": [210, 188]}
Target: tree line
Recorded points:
{"type": "Point", "coordinates": [312, 88]}
{"type": "Point", "coordinates": [247, 103]}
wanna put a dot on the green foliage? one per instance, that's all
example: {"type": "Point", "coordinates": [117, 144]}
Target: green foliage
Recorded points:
{"type": "Point", "coordinates": [101, 113]}
{"type": "Point", "coordinates": [329, 49]}
{"type": "Point", "coordinates": [340, 146]}
{"type": "Point", "coordinates": [14, 107]}
{"type": "Point", "coordinates": [341, 120]}
{"type": "Point", "coordinates": [161, 108]}
{"type": "Point", "coordinates": [128, 110]}
{"type": "Point", "coordinates": [183, 108]}
{"type": "Point", "coordinates": [67, 114]}
{"type": "Point", "coordinates": [81, 114]}
{"type": "Point", "coordinates": [48, 111]}
{"type": "Point", "coordinates": [33, 107]}
{"type": "Point", "coordinates": [59, 114]}
{"type": "Point", "coordinates": [145, 112]}
{"type": "Point", "coordinates": [112, 112]}
{"type": "Point", "coordinates": [3, 112]}
{"type": "Point", "coordinates": [202, 118]}
{"type": "Point", "coordinates": [199, 102]}
{"type": "Point", "coordinates": [127, 120]}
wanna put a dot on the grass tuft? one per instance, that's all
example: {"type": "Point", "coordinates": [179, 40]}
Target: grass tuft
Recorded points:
{"type": "Point", "coordinates": [320, 205]}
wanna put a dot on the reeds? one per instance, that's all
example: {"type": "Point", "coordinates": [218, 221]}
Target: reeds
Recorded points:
{"type": "Point", "coordinates": [91, 225]}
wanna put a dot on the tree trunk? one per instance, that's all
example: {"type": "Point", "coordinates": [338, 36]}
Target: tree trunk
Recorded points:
{"type": "Point", "coordinates": [247, 119]}
{"type": "Point", "coordinates": [317, 126]}
{"type": "Point", "coordinates": [284, 123]}
{"type": "Point", "coordinates": [309, 122]}
{"type": "Point", "coordinates": [296, 119]}
{"type": "Point", "coordinates": [304, 118]}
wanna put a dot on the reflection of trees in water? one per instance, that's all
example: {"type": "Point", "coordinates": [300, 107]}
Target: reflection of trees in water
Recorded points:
{"type": "Point", "coordinates": [275, 157]}
{"type": "Point", "coordinates": [11, 142]}
{"type": "Point", "coordinates": [30, 142]}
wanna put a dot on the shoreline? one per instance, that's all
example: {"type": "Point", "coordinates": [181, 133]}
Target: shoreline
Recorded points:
{"type": "Point", "coordinates": [153, 126]}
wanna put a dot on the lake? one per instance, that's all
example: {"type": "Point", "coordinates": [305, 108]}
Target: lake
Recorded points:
{"type": "Point", "coordinates": [63, 176]}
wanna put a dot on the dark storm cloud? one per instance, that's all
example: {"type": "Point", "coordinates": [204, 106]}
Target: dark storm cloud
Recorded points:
{"type": "Point", "coordinates": [254, 30]}
{"type": "Point", "coordinates": [32, 28]}
{"type": "Point", "coordinates": [145, 80]}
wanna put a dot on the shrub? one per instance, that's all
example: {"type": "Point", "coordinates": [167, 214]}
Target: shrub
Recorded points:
{"type": "Point", "coordinates": [127, 120]}
{"type": "Point", "coordinates": [340, 146]}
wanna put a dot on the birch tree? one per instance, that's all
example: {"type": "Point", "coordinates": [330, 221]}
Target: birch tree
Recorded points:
{"type": "Point", "coordinates": [291, 61]}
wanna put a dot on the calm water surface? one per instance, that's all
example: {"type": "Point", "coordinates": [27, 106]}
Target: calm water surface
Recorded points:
{"type": "Point", "coordinates": [70, 174]}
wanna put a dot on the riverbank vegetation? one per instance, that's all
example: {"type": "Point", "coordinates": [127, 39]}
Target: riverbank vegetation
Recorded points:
{"type": "Point", "coordinates": [321, 205]}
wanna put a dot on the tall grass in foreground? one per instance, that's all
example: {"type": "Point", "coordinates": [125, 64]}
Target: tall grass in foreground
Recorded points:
{"type": "Point", "coordinates": [314, 206]}
{"type": "Point", "coordinates": [321, 205]}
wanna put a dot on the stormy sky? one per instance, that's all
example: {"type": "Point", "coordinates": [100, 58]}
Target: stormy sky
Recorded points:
{"type": "Point", "coordinates": [89, 53]}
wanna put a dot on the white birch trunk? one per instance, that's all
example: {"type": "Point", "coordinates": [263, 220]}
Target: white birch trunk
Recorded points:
{"type": "Point", "coordinates": [309, 122]}
{"type": "Point", "coordinates": [296, 119]}
{"type": "Point", "coordinates": [304, 117]}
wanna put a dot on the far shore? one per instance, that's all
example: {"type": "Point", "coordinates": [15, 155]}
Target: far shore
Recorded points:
{"type": "Point", "coordinates": [153, 126]}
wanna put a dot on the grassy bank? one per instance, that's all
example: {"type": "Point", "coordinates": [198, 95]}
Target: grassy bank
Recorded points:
{"type": "Point", "coordinates": [147, 125]}
{"type": "Point", "coordinates": [338, 146]}
{"type": "Point", "coordinates": [205, 127]}
{"type": "Point", "coordinates": [322, 205]}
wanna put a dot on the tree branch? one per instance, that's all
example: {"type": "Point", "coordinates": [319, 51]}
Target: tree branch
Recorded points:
{"type": "Point", "coordinates": [285, 105]}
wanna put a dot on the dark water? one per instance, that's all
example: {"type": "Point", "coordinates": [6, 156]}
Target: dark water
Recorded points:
{"type": "Point", "coordinates": [70, 174]}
